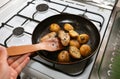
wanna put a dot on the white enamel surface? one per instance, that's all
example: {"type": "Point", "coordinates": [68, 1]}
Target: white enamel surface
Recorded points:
{"type": "Point", "coordinates": [35, 70]}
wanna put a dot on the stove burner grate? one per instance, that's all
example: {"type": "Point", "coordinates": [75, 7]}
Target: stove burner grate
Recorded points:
{"type": "Point", "coordinates": [42, 8]}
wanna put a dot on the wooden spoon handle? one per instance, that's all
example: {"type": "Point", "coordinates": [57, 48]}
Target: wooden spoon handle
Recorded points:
{"type": "Point", "coordinates": [18, 50]}
{"type": "Point", "coordinates": [49, 45]}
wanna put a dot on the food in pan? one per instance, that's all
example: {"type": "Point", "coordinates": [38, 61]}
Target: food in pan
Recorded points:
{"type": "Point", "coordinates": [64, 37]}
{"type": "Point", "coordinates": [74, 52]}
{"type": "Point", "coordinates": [85, 50]}
{"type": "Point", "coordinates": [68, 27]}
{"type": "Point", "coordinates": [54, 27]}
{"type": "Point", "coordinates": [73, 33]}
{"type": "Point", "coordinates": [48, 36]}
{"type": "Point", "coordinates": [63, 56]}
{"type": "Point", "coordinates": [74, 43]}
{"type": "Point", "coordinates": [83, 38]}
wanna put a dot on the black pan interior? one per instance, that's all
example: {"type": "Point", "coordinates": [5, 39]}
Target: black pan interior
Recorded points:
{"type": "Point", "coordinates": [80, 24]}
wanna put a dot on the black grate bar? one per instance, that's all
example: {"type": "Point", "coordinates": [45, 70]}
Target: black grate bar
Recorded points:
{"type": "Point", "coordinates": [28, 18]}
{"type": "Point", "coordinates": [2, 45]}
{"type": "Point", "coordinates": [55, 10]}
{"type": "Point", "coordinates": [3, 24]}
{"type": "Point", "coordinates": [86, 11]}
{"type": "Point", "coordinates": [24, 22]}
{"type": "Point", "coordinates": [5, 42]}
{"type": "Point", "coordinates": [25, 6]}
{"type": "Point", "coordinates": [27, 33]}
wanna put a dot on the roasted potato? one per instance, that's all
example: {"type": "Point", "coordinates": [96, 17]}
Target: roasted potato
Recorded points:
{"type": "Point", "coordinates": [63, 56]}
{"type": "Point", "coordinates": [74, 43]}
{"type": "Point", "coordinates": [74, 52]}
{"type": "Point", "coordinates": [64, 37]}
{"type": "Point", "coordinates": [54, 27]}
{"type": "Point", "coordinates": [83, 38]}
{"type": "Point", "coordinates": [48, 36]}
{"type": "Point", "coordinates": [73, 33]}
{"type": "Point", "coordinates": [85, 50]}
{"type": "Point", "coordinates": [68, 27]}
{"type": "Point", "coordinates": [69, 37]}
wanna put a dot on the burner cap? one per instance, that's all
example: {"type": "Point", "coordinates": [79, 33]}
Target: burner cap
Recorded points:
{"type": "Point", "coordinates": [18, 31]}
{"type": "Point", "coordinates": [42, 7]}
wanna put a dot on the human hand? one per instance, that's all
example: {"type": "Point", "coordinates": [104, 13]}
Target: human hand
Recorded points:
{"type": "Point", "coordinates": [12, 66]}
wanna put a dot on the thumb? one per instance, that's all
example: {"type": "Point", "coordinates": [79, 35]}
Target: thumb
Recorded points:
{"type": "Point", "coordinates": [3, 54]}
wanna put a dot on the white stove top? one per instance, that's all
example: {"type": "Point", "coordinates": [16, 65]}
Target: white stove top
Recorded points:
{"type": "Point", "coordinates": [23, 17]}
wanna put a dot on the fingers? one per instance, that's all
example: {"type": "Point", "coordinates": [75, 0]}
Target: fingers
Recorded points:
{"type": "Point", "coordinates": [3, 53]}
{"type": "Point", "coordinates": [12, 59]}
{"type": "Point", "coordinates": [22, 65]}
{"type": "Point", "coordinates": [18, 69]}
{"type": "Point", "coordinates": [17, 62]}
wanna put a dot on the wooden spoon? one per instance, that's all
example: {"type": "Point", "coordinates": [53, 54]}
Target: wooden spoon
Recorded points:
{"type": "Point", "coordinates": [49, 45]}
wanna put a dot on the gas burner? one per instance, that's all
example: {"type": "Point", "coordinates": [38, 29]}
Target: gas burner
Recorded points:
{"type": "Point", "coordinates": [42, 7]}
{"type": "Point", "coordinates": [18, 31]}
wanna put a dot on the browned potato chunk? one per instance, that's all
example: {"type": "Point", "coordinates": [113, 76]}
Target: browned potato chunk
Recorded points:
{"type": "Point", "coordinates": [48, 36]}
{"type": "Point", "coordinates": [83, 38]}
{"type": "Point", "coordinates": [73, 33]}
{"type": "Point", "coordinates": [85, 50]}
{"type": "Point", "coordinates": [64, 37]}
{"type": "Point", "coordinates": [74, 52]}
{"type": "Point", "coordinates": [74, 43]}
{"type": "Point", "coordinates": [68, 27]}
{"type": "Point", "coordinates": [54, 27]}
{"type": "Point", "coordinates": [63, 56]}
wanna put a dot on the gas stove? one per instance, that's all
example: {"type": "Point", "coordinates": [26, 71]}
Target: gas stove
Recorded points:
{"type": "Point", "coordinates": [18, 24]}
